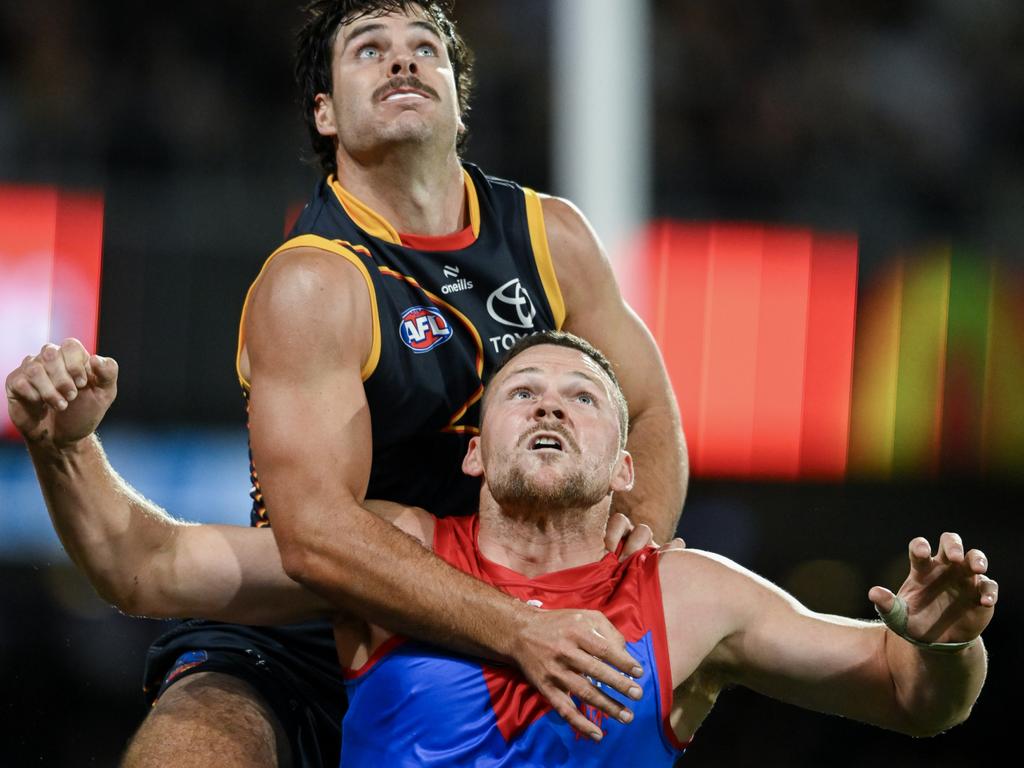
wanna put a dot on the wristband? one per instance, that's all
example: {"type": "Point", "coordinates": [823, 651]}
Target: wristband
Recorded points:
{"type": "Point", "coordinates": [896, 620]}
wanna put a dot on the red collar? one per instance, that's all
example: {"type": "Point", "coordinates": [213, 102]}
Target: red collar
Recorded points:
{"type": "Point", "coordinates": [456, 241]}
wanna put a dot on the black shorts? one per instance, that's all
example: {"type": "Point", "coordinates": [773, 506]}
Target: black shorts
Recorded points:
{"type": "Point", "coordinates": [295, 668]}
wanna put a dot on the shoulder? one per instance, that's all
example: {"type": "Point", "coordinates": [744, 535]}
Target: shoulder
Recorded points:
{"type": "Point", "coordinates": [308, 273]}
{"type": "Point", "coordinates": [584, 272]}
{"type": "Point", "coordinates": [709, 587]}
{"type": "Point", "coordinates": [701, 569]}
{"type": "Point", "coordinates": [567, 227]}
{"type": "Point", "coordinates": [307, 281]}
{"type": "Point", "coordinates": [311, 296]}
{"type": "Point", "coordinates": [696, 567]}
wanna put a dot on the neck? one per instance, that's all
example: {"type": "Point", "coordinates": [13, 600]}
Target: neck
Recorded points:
{"type": "Point", "coordinates": [419, 193]}
{"type": "Point", "coordinates": [533, 543]}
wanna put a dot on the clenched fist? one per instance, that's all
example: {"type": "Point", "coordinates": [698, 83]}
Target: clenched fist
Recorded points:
{"type": "Point", "coordinates": [59, 396]}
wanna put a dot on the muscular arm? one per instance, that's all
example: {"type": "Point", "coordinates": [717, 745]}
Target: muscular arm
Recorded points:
{"type": "Point", "coordinates": [136, 555]}
{"type": "Point", "coordinates": [310, 429]}
{"type": "Point", "coordinates": [148, 564]}
{"type": "Point", "coordinates": [762, 638]}
{"type": "Point", "coordinates": [596, 311]}
{"type": "Point", "coordinates": [307, 338]}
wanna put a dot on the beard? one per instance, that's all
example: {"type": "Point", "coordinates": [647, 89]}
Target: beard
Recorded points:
{"type": "Point", "coordinates": [515, 490]}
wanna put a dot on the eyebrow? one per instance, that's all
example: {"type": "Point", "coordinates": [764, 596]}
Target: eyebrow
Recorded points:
{"type": "Point", "coordinates": [376, 26]}
{"type": "Point", "coordinates": [533, 369]}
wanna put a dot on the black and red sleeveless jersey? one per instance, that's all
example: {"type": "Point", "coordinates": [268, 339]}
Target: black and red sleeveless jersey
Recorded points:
{"type": "Point", "coordinates": [442, 319]}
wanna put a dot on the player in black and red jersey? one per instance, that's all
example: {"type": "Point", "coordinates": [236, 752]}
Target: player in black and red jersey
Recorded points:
{"type": "Point", "coordinates": [363, 346]}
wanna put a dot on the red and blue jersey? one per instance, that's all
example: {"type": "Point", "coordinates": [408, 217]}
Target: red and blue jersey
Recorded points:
{"type": "Point", "coordinates": [415, 704]}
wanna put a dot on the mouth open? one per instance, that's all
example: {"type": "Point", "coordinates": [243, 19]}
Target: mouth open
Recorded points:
{"type": "Point", "coordinates": [546, 443]}
{"type": "Point", "coordinates": [405, 96]}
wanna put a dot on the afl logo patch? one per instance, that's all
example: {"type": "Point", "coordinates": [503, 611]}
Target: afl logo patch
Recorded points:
{"type": "Point", "coordinates": [423, 328]}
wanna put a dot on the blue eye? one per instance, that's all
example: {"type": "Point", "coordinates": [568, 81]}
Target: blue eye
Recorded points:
{"type": "Point", "coordinates": [368, 52]}
{"type": "Point", "coordinates": [520, 394]}
{"type": "Point", "coordinates": [585, 398]}
{"type": "Point", "coordinates": [426, 50]}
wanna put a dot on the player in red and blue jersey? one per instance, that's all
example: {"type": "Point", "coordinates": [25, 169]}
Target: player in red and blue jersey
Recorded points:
{"type": "Point", "coordinates": [551, 454]}
{"type": "Point", "coordinates": [415, 704]}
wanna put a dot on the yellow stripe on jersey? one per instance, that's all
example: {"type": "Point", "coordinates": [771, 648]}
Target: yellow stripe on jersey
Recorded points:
{"type": "Point", "coordinates": [376, 225]}
{"type": "Point", "coordinates": [464, 429]}
{"type": "Point", "coordinates": [363, 215]}
{"type": "Point", "coordinates": [542, 255]}
{"type": "Point", "coordinates": [472, 202]}
{"type": "Point", "coordinates": [339, 248]}
{"type": "Point", "coordinates": [452, 427]}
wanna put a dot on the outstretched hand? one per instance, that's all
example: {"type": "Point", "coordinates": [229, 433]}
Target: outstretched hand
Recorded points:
{"type": "Point", "coordinates": [59, 396]}
{"type": "Point", "coordinates": [949, 598]}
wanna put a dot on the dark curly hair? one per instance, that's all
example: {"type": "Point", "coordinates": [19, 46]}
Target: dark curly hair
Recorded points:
{"type": "Point", "coordinates": [315, 46]}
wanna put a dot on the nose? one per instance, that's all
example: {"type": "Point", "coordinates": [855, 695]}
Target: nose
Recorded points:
{"type": "Point", "coordinates": [403, 63]}
{"type": "Point", "coordinates": [549, 406]}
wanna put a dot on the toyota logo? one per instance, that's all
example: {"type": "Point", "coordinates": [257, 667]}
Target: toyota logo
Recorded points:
{"type": "Point", "coordinates": [511, 305]}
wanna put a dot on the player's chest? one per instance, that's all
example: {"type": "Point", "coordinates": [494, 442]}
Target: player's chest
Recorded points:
{"type": "Point", "coordinates": [482, 299]}
{"type": "Point", "coordinates": [441, 324]}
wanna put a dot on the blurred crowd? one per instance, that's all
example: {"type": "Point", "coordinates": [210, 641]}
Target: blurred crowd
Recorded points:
{"type": "Point", "coordinates": [897, 121]}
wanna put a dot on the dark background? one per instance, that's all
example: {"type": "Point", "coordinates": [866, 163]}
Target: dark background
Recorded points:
{"type": "Point", "coordinates": [897, 120]}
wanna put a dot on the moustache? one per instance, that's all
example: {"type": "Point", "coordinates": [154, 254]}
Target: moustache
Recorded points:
{"type": "Point", "coordinates": [409, 81]}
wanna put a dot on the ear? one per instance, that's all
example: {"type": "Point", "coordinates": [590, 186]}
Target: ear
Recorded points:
{"type": "Point", "coordinates": [473, 464]}
{"type": "Point", "coordinates": [622, 476]}
{"type": "Point", "coordinates": [323, 115]}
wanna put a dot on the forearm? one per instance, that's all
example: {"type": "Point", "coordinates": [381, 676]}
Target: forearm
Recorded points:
{"type": "Point", "coordinates": [386, 577]}
{"type": "Point", "coordinates": [107, 529]}
{"type": "Point", "coordinates": [226, 573]}
{"type": "Point", "coordinates": [659, 454]}
{"type": "Point", "coordinates": [935, 690]}
{"type": "Point", "coordinates": [145, 562]}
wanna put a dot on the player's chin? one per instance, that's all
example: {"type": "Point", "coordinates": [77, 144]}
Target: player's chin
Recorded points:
{"type": "Point", "coordinates": [407, 126]}
{"type": "Point", "coordinates": [552, 460]}
{"type": "Point", "coordinates": [405, 107]}
{"type": "Point", "coordinates": [549, 473]}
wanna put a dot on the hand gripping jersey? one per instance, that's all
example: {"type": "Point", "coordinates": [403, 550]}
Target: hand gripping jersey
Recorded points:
{"type": "Point", "coordinates": [442, 318]}
{"type": "Point", "coordinates": [413, 704]}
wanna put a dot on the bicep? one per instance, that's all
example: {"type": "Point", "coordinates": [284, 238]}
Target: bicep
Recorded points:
{"type": "Point", "coordinates": [817, 661]}
{"type": "Point", "coordinates": [307, 334]}
{"type": "Point", "coordinates": [309, 437]}
{"type": "Point", "coordinates": [231, 573]}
